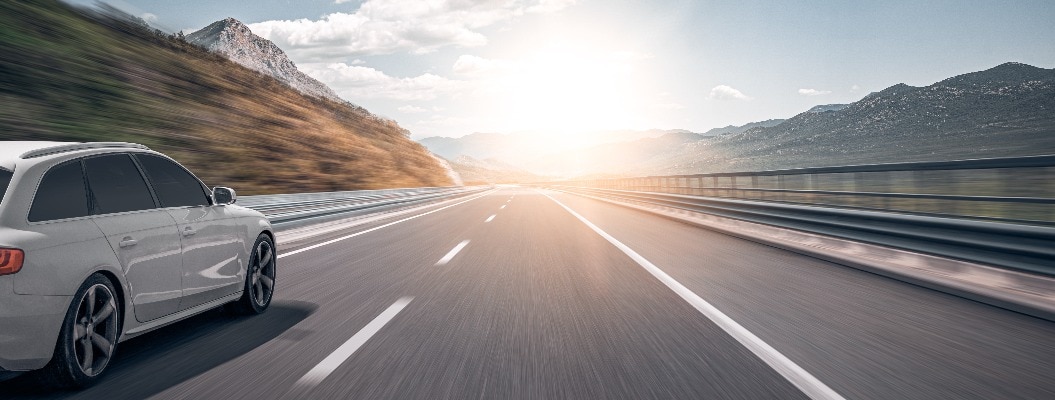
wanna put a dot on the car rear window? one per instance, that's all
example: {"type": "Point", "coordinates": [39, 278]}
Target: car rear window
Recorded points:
{"type": "Point", "coordinates": [5, 179]}
{"type": "Point", "coordinates": [61, 194]}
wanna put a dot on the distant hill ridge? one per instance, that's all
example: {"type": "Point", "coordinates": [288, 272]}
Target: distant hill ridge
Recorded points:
{"type": "Point", "coordinates": [737, 129]}
{"type": "Point", "coordinates": [827, 107]}
{"type": "Point", "coordinates": [1004, 111]}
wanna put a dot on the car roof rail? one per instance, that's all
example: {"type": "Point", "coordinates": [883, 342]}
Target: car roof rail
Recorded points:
{"type": "Point", "coordinates": [80, 146]}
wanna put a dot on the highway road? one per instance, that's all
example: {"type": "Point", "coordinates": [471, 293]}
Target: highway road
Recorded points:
{"type": "Point", "coordinates": [521, 293]}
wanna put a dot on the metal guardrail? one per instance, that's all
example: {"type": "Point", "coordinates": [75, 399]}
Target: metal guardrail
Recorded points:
{"type": "Point", "coordinates": [288, 208]}
{"type": "Point", "coordinates": [998, 212]}
{"type": "Point", "coordinates": [1021, 247]}
{"type": "Point", "coordinates": [1019, 190]}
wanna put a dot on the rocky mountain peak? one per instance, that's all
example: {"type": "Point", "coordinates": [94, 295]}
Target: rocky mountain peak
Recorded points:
{"type": "Point", "coordinates": [233, 39]}
{"type": "Point", "coordinates": [1006, 73]}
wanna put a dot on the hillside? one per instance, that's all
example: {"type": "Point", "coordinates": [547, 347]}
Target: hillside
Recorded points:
{"type": "Point", "coordinates": [75, 75]}
{"type": "Point", "coordinates": [827, 107]}
{"type": "Point", "coordinates": [737, 129]}
{"type": "Point", "coordinates": [1005, 111]}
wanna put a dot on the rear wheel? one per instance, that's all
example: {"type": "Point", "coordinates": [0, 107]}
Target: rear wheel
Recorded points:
{"type": "Point", "coordinates": [259, 280]}
{"type": "Point", "coordinates": [88, 337]}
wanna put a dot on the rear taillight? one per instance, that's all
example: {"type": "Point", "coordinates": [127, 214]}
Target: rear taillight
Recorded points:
{"type": "Point", "coordinates": [11, 261]}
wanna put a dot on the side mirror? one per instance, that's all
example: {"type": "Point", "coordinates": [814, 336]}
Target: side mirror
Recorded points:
{"type": "Point", "coordinates": [223, 195]}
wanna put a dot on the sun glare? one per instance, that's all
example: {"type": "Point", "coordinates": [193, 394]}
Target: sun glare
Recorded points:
{"type": "Point", "coordinates": [563, 90]}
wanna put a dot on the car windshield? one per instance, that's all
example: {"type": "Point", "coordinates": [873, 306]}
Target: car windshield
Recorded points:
{"type": "Point", "coordinates": [5, 179]}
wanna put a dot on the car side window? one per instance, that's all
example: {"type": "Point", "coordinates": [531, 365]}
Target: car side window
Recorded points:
{"type": "Point", "coordinates": [116, 184]}
{"type": "Point", "coordinates": [174, 185]}
{"type": "Point", "coordinates": [61, 194]}
{"type": "Point", "coordinates": [5, 179]}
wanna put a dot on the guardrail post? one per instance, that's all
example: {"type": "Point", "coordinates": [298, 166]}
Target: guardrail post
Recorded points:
{"type": "Point", "coordinates": [754, 185]}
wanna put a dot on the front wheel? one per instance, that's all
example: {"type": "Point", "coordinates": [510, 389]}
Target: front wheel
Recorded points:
{"type": "Point", "coordinates": [88, 337]}
{"type": "Point", "coordinates": [259, 279]}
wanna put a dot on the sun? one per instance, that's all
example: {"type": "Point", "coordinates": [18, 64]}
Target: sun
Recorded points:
{"type": "Point", "coordinates": [564, 89]}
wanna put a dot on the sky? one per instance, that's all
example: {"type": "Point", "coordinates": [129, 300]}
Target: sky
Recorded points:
{"type": "Point", "coordinates": [454, 67]}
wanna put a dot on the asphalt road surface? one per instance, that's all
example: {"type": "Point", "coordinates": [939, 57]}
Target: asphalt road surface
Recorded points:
{"type": "Point", "coordinates": [511, 294]}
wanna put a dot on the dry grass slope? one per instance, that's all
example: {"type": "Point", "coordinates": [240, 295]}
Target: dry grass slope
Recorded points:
{"type": "Point", "coordinates": [69, 75]}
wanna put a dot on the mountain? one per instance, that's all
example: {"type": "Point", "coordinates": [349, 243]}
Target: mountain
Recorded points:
{"type": "Point", "coordinates": [827, 107]}
{"type": "Point", "coordinates": [1004, 111]}
{"type": "Point", "coordinates": [737, 129]}
{"type": "Point", "coordinates": [525, 148]}
{"type": "Point", "coordinates": [620, 158]}
{"type": "Point", "coordinates": [476, 172]}
{"type": "Point", "coordinates": [769, 122]}
{"type": "Point", "coordinates": [109, 79]}
{"type": "Point", "coordinates": [477, 145]}
{"type": "Point", "coordinates": [234, 40]}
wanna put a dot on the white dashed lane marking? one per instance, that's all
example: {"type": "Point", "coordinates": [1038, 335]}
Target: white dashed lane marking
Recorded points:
{"type": "Point", "coordinates": [447, 258]}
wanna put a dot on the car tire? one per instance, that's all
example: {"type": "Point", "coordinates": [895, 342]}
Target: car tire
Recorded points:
{"type": "Point", "coordinates": [259, 279]}
{"type": "Point", "coordinates": [88, 337]}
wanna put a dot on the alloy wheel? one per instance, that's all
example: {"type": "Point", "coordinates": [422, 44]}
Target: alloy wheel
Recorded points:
{"type": "Point", "coordinates": [95, 329]}
{"type": "Point", "coordinates": [262, 272]}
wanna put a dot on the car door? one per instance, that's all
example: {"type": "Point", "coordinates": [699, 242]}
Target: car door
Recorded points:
{"type": "Point", "coordinates": [143, 236]}
{"type": "Point", "coordinates": [213, 244]}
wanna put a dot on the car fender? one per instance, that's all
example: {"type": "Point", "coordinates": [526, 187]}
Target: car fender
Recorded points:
{"type": "Point", "coordinates": [60, 269]}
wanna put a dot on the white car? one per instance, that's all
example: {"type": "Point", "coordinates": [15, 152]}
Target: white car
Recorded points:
{"type": "Point", "coordinates": [101, 242]}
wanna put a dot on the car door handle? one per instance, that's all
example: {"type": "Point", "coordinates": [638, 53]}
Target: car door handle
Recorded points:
{"type": "Point", "coordinates": [189, 231]}
{"type": "Point", "coordinates": [127, 242]}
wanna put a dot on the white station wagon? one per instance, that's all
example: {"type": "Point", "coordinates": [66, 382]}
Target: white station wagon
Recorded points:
{"type": "Point", "coordinates": [101, 242]}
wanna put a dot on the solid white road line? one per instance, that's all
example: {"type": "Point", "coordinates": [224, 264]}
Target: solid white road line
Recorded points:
{"type": "Point", "coordinates": [491, 218]}
{"type": "Point", "coordinates": [332, 241]}
{"type": "Point", "coordinates": [335, 359]}
{"type": "Point", "coordinates": [450, 254]}
{"type": "Point", "coordinates": [803, 380]}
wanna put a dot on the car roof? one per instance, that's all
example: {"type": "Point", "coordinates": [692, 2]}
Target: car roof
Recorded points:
{"type": "Point", "coordinates": [12, 151]}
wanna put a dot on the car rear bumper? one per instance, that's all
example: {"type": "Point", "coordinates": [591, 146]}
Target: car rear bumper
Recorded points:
{"type": "Point", "coordinates": [29, 327]}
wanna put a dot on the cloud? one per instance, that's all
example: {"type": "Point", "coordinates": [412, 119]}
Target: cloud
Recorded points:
{"type": "Point", "coordinates": [547, 6]}
{"type": "Point", "coordinates": [148, 17]}
{"type": "Point", "coordinates": [813, 92]}
{"type": "Point", "coordinates": [855, 88]}
{"type": "Point", "coordinates": [724, 92]}
{"type": "Point", "coordinates": [409, 109]}
{"type": "Point", "coordinates": [473, 65]}
{"type": "Point", "coordinates": [353, 82]}
{"type": "Point", "coordinates": [393, 26]}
